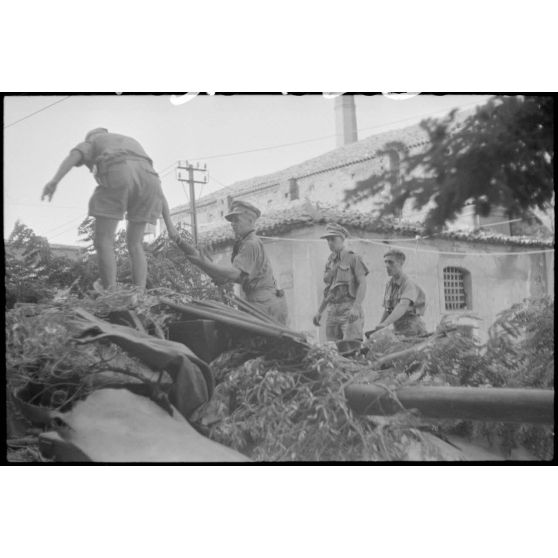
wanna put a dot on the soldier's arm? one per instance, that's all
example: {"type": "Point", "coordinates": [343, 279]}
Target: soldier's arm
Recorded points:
{"type": "Point", "coordinates": [171, 229]}
{"type": "Point", "coordinates": [217, 271]}
{"type": "Point", "coordinates": [243, 266]}
{"type": "Point", "coordinates": [360, 271]}
{"type": "Point", "coordinates": [186, 247]}
{"type": "Point", "coordinates": [318, 316]}
{"type": "Point", "coordinates": [361, 291]}
{"type": "Point", "coordinates": [398, 312]}
{"type": "Point", "coordinates": [72, 160]}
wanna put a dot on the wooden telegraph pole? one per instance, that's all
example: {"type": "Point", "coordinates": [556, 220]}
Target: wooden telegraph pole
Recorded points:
{"type": "Point", "coordinates": [191, 179]}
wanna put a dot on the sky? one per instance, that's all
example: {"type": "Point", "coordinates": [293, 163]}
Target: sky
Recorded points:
{"type": "Point", "coordinates": [208, 129]}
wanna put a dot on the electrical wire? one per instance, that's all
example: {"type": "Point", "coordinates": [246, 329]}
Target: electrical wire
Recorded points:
{"type": "Point", "coordinates": [382, 242]}
{"type": "Point", "coordinates": [169, 168]}
{"type": "Point", "coordinates": [50, 206]}
{"type": "Point", "coordinates": [423, 115]}
{"type": "Point", "coordinates": [162, 175]}
{"type": "Point", "coordinates": [270, 147]}
{"type": "Point", "coordinates": [213, 177]}
{"type": "Point", "coordinates": [71, 221]}
{"type": "Point", "coordinates": [36, 112]}
{"type": "Point", "coordinates": [64, 231]}
{"type": "Point", "coordinates": [460, 108]}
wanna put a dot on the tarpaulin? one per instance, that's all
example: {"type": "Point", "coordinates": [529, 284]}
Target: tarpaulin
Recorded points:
{"type": "Point", "coordinates": [193, 382]}
{"type": "Point", "coordinates": [115, 425]}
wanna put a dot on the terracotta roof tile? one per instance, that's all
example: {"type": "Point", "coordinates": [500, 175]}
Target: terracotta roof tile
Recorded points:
{"type": "Point", "coordinates": [303, 214]}
{"type": "Point", "coordinates": [365, 149]}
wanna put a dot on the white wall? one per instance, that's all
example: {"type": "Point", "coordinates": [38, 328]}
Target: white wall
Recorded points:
{"type": "Point", "coordinates": [497, 282]}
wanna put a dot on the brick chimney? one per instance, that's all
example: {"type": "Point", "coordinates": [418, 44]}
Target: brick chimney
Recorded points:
{"type": "Point", "coordinates": [345, 120]}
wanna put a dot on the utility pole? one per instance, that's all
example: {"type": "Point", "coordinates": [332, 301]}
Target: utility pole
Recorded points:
{"type": "Point", "coordinates": [190, 178]}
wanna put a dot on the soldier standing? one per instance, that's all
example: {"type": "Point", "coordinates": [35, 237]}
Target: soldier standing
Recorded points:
{"type": "Point", "coordinates": [345, 279]}
{"type": "Point", "coordinates": [250, 266]}
{"type": "Point", "coordinates": [404, 300]}
{"type": "Point", "coordinates": [126, 184]}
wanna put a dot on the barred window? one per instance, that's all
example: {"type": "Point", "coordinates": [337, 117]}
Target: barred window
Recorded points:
{"type": "Point", "coordinates": [456, 288]}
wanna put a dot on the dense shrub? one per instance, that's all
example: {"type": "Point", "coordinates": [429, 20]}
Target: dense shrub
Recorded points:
{"type": "Point", "coordinates": [34, 274]}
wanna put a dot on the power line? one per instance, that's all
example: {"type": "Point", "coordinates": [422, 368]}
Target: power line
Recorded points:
{"type": "Point", "coordinates": [168, 172]}
{"type": "Point", "coordinates": [36, 112]}
{"type": "Point", "coordinates": [461, 107]}
{"type": "Point", "coordinates": [44, 206]}
{"type": "Point", "coordinates": [261, 148]}
{"type": "Point", "coordinates": [64, 231]}
{"type": "Point", "coordinates": [269, 147]}
{"type": "Point", "coordinates": [382, 243]}
{"type": "Point", "coordinates": [169, 168]}
{"type": "Point", "coordinates": [72, 221]}
{"type": "Point", "coordinates": [213, 177]}
{"type": "Point", "coordinates": [423, 115]}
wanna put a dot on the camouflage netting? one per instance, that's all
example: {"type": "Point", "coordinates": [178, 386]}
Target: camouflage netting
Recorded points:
{"type": "Point", "coordinates": [284, 401]}
{"type": "Point", "coordinates": [289, 404]}
{"type": "Point", "coordinates": [46, 368]}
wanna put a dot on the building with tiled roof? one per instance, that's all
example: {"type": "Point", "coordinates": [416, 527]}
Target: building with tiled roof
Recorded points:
{"type": "Point", "coordinates": [464, 270]}
{"type": "Point", "coordinates": [305, 215]}
{"type": "Point", "coordinates": [324, 179]}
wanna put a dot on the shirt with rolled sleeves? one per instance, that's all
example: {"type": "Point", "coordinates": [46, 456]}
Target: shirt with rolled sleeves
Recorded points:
{"type": "Point", "coordinates": [103, 149]}
{"type": "Point", "coordinates": [250, 259]}
{"type": "Point", "coordinates": [343, 273]}
{"type": "Point", "coordinates": [404, 288]}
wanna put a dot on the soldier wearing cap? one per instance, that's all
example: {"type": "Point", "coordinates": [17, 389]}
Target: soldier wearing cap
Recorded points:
{"type": "Point", "coordinates": [345, 279]}
{"type": "Point", "coordinates": [404, 300]}
{"type": "Point", "coordinates": [126, 184]}
{"type": "Point", "coordinates": [250, 266]}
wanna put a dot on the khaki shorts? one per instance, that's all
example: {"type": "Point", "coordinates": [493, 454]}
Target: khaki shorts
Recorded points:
{"type": "Point", "coordinates": [128, 187]}
{"type": "Point", "coordinates": [338, 326]}
{"type": "Point", "coordinates": [274, 306]}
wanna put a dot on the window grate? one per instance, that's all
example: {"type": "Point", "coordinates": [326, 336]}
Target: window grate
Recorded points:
{"type": "Point", "coordinates": [454, 289]}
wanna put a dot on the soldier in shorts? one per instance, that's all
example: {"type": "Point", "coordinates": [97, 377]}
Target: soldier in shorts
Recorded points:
{"type": "Point", "coordinates": [345, 278]}
{"type": "Point", "coordinates": [127, 185]}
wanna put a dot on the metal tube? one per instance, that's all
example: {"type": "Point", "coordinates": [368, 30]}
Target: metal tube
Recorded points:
{"type": "Point", "coordinates": [238, 314]}
{"type": "Point", "coordinates": [248, 325]}
{"type": "Point", "coordinates": [488, 404]}
{"type": "Point", "coordinates": [252, 310]}
{"type": "Point", "coordinates": [229, 312]}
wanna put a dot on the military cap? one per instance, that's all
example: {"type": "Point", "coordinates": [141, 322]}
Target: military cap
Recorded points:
{"type": "Point", "coordinates": [334, 229]}
{"type": "Point", "coordinates": [239, 207]}
{"type": "Point", "coordinates": [94, 132]}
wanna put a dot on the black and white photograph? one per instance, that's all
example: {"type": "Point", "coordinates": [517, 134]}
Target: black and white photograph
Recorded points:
{"type": "Point", "coordinates": [257, 278]}
{"type": "Point", "coordinates": [279, 279]}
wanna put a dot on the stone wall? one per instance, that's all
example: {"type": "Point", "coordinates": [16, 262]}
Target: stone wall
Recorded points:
{"type": "Point", "coordinates": [326, 187]}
